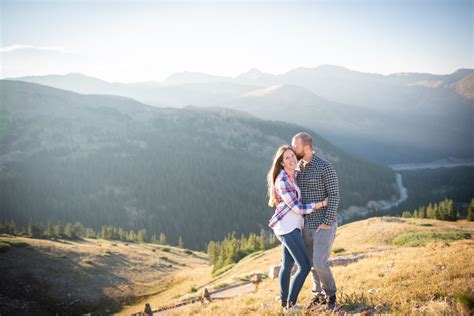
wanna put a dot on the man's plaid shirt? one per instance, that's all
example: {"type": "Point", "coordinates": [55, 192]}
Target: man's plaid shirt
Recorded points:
{"type": "Point", "coordinates": [317, 181]}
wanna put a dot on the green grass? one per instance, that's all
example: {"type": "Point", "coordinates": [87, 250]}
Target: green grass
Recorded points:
{"type": "Point", "coordinates": [223, 269]}
{"type": "Point", "coordinates": [466, 299]}
{"type": "Point", "coordinates": [338, 250]}
{"type": "Point", "coordinates": [5, 244]}
{"type": "Point", "coordinates": [420, 239]}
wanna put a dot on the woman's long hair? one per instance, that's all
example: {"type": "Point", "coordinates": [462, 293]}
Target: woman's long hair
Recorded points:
{"type": "Point", "coordinates": [273, 173]}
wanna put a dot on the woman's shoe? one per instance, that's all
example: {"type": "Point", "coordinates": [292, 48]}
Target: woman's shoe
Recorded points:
{"type": "Point", "coordinates": [293, 309]}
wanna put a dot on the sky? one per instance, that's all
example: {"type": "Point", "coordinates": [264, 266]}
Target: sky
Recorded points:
{"type": "Point", "coordinates": [128, 41]}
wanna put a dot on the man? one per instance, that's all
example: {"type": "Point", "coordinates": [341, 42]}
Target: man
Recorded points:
{"type": "Point", "coordinates": [318, 180]}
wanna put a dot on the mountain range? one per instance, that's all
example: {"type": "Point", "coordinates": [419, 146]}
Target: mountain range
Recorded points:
{"type": "Point", "coordinates": [397, 118]}
{"type": "Point", "coordinates": [195, 173]}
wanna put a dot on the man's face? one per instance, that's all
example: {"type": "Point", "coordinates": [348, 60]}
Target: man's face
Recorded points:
{"type": "Point", "coordinates": [298, 147]}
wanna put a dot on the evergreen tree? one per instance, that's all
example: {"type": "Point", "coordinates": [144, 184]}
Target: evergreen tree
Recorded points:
{"type": "Point", "coordinates": [162, 239]}
{"type": "Point", "coordinates": [122, 234]}
{"type": "Point", "coordinates": [132, 236]}
{"type": "Point", "coordinates": [142, 236]}
{"type": "Point", "coordinates": [436, 213]}
{"type": "Point", "coordinates": [452, 214]}
{"type": "Point", "coordinates": [79, 230]}
{"type": "Point", "coordinates": [69, 231]}
{"type": "Point", "coordinates": [29, 230]}
{"type": "Point", "coordinates": [273, 241]}
{"type": "Point", "coordinates": [422, 212]}
{"type": "Point", "coordinates": [470, 211]}
{"type": "Point", "coordinates": [406, 214]}
{"type": "Point", "coordinates": [212, 252]}
{"type": "Point", "coordinates": [429, 211]}
{"type": "Point", "coordinates": [50, 231]}
{"type": "Point", "coordinates": [262, 240]}
{"type": "Point", "coordinates": [90, 233]}
{"type": "Point", "coordinates": [57, 231]}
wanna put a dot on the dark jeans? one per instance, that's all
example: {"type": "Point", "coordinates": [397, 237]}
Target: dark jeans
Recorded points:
{"type": "Point", "coordinates": [293, 251]}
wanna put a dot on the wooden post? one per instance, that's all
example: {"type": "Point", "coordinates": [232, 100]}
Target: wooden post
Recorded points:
{"type": "Point", "coordinates": [148, 311]}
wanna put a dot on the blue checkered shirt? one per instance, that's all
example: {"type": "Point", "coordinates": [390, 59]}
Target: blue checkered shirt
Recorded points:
{"type": "Point", "coordinates": [317, 181]}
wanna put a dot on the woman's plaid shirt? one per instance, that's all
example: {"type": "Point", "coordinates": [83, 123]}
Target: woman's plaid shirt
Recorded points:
{"type": "Point", "coordinates": [287, 195]}
{"type": "Point", "coordinates": [317, 181]}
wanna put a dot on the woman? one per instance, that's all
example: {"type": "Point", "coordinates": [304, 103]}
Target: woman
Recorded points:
{"type": "Point", "coordinates": [287, 223]}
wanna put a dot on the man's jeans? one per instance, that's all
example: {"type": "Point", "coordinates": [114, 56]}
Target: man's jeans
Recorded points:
{"type": "Point", "coordinates": [318, 245]}
{"type": "Point", "coordinates": [293, 251]}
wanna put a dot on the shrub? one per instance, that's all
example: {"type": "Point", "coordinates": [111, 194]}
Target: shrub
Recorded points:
{"type": "Point", "coordinates": [419, 239]}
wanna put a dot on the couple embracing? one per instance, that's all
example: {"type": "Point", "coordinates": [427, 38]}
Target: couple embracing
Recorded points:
{"type": "Point", "coordinates": [306, 196]}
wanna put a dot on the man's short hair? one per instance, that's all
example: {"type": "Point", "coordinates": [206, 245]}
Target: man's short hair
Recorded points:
{"type": "Point", "coordinates": [306, 139]}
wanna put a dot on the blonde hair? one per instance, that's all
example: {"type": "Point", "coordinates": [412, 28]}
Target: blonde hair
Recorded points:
{"type": "Point", "coordinates": [274, 171]}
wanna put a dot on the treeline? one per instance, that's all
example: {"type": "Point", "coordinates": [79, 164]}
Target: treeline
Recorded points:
{"type": "Point", "coordinates": [194, 173]}
{"type": "Point", "coordinates": [232, 249]}
{"type": "Point", "coordinates": [77, 231]}
{"type": "Point", "coordinates": [443, 210]}
{"type": "Point", "coordinates": [434, 185]}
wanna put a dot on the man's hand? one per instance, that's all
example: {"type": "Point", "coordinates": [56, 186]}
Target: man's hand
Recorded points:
{"type": "Point", "coordinates": [323, 226]}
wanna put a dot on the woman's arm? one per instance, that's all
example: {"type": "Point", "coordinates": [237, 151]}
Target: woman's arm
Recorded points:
{"type": "Point", "coordinates": [287, 191]}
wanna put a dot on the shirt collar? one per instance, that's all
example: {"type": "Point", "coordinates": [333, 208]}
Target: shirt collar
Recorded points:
{"type": "Point", "coordinates": [302, 164]}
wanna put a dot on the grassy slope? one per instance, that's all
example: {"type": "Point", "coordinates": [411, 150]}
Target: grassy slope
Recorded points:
{"type": "Point", "coordinates": [86, 276]}
{"type": "Point", "coordinates": [390, 279]}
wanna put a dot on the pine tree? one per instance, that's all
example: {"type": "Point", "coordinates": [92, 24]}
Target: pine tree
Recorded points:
{"type": "Point", "coordinates": [29, 230]}
{"type": "Point", "coordinates": [132, 236]}
{"type": "Point", "coordinates": [422, 212]}
{"type": "Point", "coordinates": [50, 231]}
{"type": "Point", "coordinates": [436, 213]}
{"type": "Point", "coordinates": [79, 230]}
{"type": "Point", "coordinates": [90, 233]}
{"type": "Point", "coordinates": [69, 231]}
{"type": "Point", "coordinates": [406, 214]}
{"type": "Point", "coordinates": [212, 252]}
{"type": "Point", "coordinates": [429, 211]}
{"type": "Point", "coordinates": [273, 241]}
{"type": "Point", "coordinates": [470, 211]}
{"type": "Point", "coordinates": [162, 239]}
{"type": "Point", "coordinates": [58, 231]}
{"type": "Point", "coordinates": [142, 236]}
{"type": "Point", "coordinates": [451, 214]}
{"type": "Point", "coordinates": [261, 240]}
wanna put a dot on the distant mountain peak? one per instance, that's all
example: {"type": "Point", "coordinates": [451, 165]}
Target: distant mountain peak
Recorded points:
{"type": "Point", "coordinates": [185, 77]}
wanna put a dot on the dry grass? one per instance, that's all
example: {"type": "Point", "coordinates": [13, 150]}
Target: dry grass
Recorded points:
{"type": "Point", "coordinates": [89, 271]}
{"type": "Point", "coordinates": [434, 279]}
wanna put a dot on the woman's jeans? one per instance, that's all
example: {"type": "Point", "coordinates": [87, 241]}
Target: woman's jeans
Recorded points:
{"type": "Point", "coordinates": [294, 250]}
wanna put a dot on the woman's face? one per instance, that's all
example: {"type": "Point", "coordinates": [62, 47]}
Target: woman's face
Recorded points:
{"type": "Point", "coordinates": [289, 160]}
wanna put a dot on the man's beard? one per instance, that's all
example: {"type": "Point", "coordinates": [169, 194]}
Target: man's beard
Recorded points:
{"type": "Point", "coordinates": [299, 156]}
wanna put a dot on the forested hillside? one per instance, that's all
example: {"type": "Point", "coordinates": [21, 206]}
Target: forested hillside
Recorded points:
{"type": "Point", "coordinates": [107, 160]}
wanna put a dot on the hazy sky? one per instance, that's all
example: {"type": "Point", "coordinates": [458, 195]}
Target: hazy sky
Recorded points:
{"type": "Point", "coordinates": [149, 40]}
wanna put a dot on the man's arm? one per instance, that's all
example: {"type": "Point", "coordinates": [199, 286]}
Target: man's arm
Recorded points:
{"type": "Point", "coordinates": [331, 184]}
